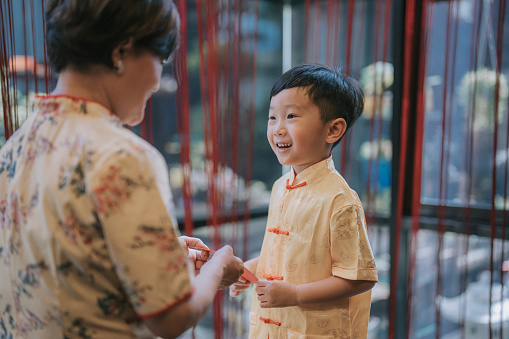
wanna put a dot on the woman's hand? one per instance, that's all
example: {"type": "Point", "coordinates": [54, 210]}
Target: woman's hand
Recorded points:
{"type": "Point", "coordinates": [198, 258]}
{"type": "Point", "coordinates": [243, 284]}
{"type": "Point", "coordinates": [276, 294]}
{"type": "Point", "coordinates": [233, 267]}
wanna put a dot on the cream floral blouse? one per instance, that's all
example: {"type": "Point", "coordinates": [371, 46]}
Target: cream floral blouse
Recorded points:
{"type": "Point", "coordinates": [88, 242]}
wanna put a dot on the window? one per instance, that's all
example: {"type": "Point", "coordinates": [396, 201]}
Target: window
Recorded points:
{"type": "Point", "coordinates": [461, 248]}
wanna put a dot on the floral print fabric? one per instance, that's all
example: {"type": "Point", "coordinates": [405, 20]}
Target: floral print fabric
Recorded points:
{"type": "Point", "coordinates": [315, 229]}
{"type": "Point", "coordinates": [88, 241]}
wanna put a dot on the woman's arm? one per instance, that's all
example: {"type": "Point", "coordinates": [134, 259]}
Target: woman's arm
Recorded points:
{"type": "Point", "coordinates": [282, 294]}
{"type": "Point", "coordinates": [222, 270]}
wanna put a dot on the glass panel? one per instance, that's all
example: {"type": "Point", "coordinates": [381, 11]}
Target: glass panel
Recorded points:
{"type": "Point", "coordinates": [461, 134]}
{"type": "Point", "coordinates": [451, 291]}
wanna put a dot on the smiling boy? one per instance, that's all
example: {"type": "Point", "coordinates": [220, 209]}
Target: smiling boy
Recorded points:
{"type": "Point", "coordinates": [316, 262]}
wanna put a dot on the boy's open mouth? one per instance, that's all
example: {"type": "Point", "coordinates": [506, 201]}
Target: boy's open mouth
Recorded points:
{"type": "Point", "coordinates": [283, 145]}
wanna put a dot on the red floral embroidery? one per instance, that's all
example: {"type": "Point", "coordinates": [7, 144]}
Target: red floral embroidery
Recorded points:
{"type": "Point", "coordinates": [112, 191]}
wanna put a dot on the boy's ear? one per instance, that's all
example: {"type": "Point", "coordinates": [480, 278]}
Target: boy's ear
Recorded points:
{"type": "Point", "coordinates": [337, 128]}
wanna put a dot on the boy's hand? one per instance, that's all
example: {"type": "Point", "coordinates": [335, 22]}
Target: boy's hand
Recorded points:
{"type": "Point", "coordinates": [237, 288]}
{"type": "Point", "coordinates": [276, 294]}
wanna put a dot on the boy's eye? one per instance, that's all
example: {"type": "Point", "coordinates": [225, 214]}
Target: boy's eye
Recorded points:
{"type": "Point", "coordinates": [291, 116]}
{"type": "Point", "coordinates": [272, 117]}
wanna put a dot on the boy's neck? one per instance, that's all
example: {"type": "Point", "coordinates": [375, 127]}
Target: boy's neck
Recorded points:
{"type": "Point", "coordinates": [305, 168]}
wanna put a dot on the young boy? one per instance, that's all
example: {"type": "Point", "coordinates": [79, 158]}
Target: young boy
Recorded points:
{"type": "Point", "coordinates": [316, 261]}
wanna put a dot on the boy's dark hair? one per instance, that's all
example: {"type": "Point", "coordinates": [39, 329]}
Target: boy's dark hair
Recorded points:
{"type": "Point", "coordinates": [336, 94]}
{"type": "Point", "coordinates": [80, 33]}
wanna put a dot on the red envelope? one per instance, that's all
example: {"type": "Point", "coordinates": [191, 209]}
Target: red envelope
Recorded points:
{"type": "Point", "coordinates": [249, 276]}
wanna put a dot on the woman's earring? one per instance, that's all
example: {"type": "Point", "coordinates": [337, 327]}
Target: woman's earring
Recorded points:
{"type": "Point", "coordinates": [120, 66]}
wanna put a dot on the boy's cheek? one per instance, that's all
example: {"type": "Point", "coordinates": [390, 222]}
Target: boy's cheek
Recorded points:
{"type": "Point", "coordinates": [269, 135]}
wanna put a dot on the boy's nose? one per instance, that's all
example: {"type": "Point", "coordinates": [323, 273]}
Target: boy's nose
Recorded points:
{"type": "Point", "coordinates": [279, 130]}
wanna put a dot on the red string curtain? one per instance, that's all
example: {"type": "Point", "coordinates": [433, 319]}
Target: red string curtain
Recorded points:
{"type": "Point", "coordinates": [457, 59]}
{"type": "Point", "coordinates": [485, 48]}
{"type": "Point", "coordinates": [412, 98]}
{"type": "Point", "coordinates": [23, 66]}
{"type": "Point", "coordinates": [355, 35]}
{"type": "Point", "coordinates": [227, 49]}
{"type": "Point", "coordinates": [183, 119]}
{"type": "Point", "coordinates": [454, 135]}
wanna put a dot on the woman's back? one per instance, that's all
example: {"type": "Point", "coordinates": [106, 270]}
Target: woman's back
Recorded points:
{"type": "Point", "coordinates": [57, 273]}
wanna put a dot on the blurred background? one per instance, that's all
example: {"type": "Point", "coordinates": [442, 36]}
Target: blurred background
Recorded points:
{"type": "Point", "coordinates": [429, 157]}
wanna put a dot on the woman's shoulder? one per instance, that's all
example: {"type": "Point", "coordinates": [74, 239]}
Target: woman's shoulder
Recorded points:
{"type": "Point", "coordinates": [124, 143]}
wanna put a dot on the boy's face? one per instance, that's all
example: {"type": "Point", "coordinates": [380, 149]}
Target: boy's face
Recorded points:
{"type": "Point", "coordinates": [295, 130]}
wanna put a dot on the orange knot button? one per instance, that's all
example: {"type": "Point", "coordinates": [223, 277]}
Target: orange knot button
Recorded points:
{"type": "Point", "coordinates": [290, 187]}
{"type": "Point", "coordinates": [276, 230]}
{"type": "Point", "coordinates": [269, 277]}
{"type": "Point", "coordinates": [268, 321]}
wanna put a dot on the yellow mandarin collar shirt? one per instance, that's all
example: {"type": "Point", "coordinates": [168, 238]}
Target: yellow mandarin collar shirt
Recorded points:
{"type": "Point", "coordinates": [315, 229]}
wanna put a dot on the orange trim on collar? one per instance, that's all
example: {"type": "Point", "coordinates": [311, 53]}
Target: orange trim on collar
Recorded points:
{"type": "Point", "coordinates": [289, 187]}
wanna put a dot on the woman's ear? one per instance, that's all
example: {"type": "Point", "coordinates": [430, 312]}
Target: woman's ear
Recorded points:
{"type": "Point", "coordinates": [118, 52]}
{"type": "Point", "coordinates": [336, 130]}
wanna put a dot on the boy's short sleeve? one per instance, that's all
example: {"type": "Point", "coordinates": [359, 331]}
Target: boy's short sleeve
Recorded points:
{"type": "Point", "coordinates": [351, 253]}
{"type": "Point", "coordinates": [132, 198]}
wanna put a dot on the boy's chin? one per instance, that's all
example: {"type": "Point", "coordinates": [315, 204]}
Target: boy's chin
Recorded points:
{"type": "Point", "coordinates": [283, 162]}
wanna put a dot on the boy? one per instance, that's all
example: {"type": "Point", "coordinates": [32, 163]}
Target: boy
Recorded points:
{"type": "Point", "coordinates": [316, 259]}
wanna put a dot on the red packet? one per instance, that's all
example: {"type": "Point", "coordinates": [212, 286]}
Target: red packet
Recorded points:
{"type": "Point", "coordinates": [201, 248]}
{"type": "Point", "coordinates": [249, 276]}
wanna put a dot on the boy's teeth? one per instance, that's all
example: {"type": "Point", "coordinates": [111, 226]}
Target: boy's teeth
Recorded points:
{"type": "Point", "coordinates": [284, 145]}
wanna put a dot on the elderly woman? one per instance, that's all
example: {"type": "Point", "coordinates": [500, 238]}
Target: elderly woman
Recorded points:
{"type": "Point", "coordinates": [89, 245]}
